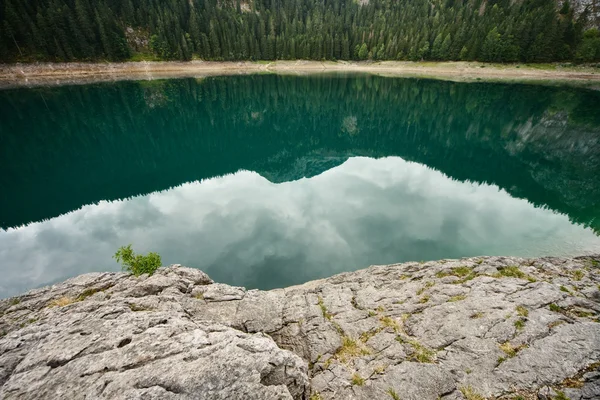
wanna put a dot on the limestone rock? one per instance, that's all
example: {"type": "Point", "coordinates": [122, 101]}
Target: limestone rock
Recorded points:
{"type": "Point", "coordinates": [497, 327]}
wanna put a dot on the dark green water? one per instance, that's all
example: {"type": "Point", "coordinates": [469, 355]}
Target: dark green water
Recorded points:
{"type": "Point", "coordinates": [266, 181]}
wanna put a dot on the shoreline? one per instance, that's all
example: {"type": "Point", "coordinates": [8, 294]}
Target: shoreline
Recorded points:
{"type": "Point", "coordinates": [51, 74]}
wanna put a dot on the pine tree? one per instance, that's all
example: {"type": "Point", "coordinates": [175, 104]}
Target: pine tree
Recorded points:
{"type": "Point", "coordinates": [436, 50]}
{"type": "Point", "coordinates": [363, 52]}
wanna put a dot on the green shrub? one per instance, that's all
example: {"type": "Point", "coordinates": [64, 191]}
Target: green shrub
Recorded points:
{"type": "Point", "coordinates": [137, 264]}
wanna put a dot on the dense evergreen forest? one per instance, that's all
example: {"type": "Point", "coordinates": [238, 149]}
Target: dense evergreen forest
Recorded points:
{"type": "Point", "coordinates": [483, 30]}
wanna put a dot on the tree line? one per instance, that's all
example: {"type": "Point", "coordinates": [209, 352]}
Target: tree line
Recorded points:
{"type": "Point", "coordinates": [224, 30]}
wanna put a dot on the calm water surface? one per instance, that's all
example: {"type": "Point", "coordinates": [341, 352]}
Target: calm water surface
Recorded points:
{"type": "Point", "coordinates": [267, 181]}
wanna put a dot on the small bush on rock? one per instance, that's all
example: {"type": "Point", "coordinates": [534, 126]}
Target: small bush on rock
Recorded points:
{"type": "Point", "coordinates": [137, 264]}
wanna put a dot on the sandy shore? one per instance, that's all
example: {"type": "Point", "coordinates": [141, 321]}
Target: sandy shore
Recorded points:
{"type": "Point", "coordinates": [24, 75]}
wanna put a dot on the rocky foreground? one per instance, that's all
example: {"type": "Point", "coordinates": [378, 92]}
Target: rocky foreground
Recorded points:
{"type": "Point", "coordinates": [490, 327]}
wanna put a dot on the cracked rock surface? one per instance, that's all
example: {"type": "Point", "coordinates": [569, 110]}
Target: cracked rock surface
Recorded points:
{"type": "Point", "coordinates": [483, 327]}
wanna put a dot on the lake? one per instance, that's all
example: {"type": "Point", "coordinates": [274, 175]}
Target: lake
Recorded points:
{"type": "Point", "coordinates": [266, 181]}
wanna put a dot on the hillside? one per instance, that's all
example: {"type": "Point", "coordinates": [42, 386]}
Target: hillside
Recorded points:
{"type": "Point", "coordinates": [117, 30]}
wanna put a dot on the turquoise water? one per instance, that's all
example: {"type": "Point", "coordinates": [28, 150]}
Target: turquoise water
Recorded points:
{"type": "Point", "coordinates": [266, 181]}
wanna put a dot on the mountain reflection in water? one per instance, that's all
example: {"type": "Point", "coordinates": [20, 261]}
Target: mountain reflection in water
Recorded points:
{"type": "Point", "coordinates": [498, 169]}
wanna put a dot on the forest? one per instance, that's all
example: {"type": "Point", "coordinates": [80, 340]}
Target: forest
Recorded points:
{"type": "Point", "coordinates": [531, 31]}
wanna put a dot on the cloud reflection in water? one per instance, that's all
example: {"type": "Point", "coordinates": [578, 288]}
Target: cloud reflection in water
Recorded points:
{"type": "Point", "coordinates": [244, 230]}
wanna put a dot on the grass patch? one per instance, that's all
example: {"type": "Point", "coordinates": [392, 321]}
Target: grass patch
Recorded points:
{"type": "Point", "coordinates": [564, 289]}
{"type": "Point", "coordinates": [555, 308]}
{"type": "Point", "coordinates": [315, 396]}
{"type": "Point", "coordinates": [338, 328]}
{"type": "Point", "coordinates": [427, 286]}
{"type": "Point", "coordinates": [393, 394]}
{"type": "Point", "coordinates": [560, 395]}
{"type": "Point", "coordinates": [62, 301]}
{"type": "Point", "coordinates": [199, 296]}
{"type": "Point", "coordinates": [512, 271]}
{"type": "Point", "coordinates": [380, 369]}
{"type": "Point", "coordinates": [470, 393]}
{"type": "Point", "coordinates": [476, 315]}
{"type": "Point", "coordinates": [522, 311]}
{"type": "Point", "coordinates": [464, 273]}
{"type": "Point", "coordinates": [424, 299]}
{"type": "Point", "coordinates": [572, 383]}
{"type": "Point", "coordinates": [372, 313]}
{"type": "Point", "coordinates": [467, 278]}
{"type": "Point", "coordinates": [388, 322]}
{"type": "Point", "coordinates": [442, 274]}
{"type": "Point", "coordinates": [136, 307]}
{"type": "Point", "coordinates": [578, 274]}
{"type": "Point", "coordinates": [583, 314]}
{"type": "Point", "coordinates": [457, 298]}
{"type": "Point", "coordinates": [14, 301]}
{"type": "Point", "coordinates": [461, 272]}
{"type": "Point", "coordinates": [577, 381]}
{"type": "Point", "coordinates": [87, 293]}
{"type": "Point", "coordinates": [350, 349]}
{"type": "Point", "coordinates": [28, 322]}
{"type": "Point", "coordinates": [324, 310]}
{"type": "Point", "coordinates": [420, 353]}
{"type": "Point", "coordinates": [510, 350]}
{"type": "Point", "coordinates": [520, 324]}
{"type": "Point", "coordinates": [555, 324]}
{"type": "Point", "coordinates": [365, 336]}
{"type": "Point", "coordinates": [357, 380]}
